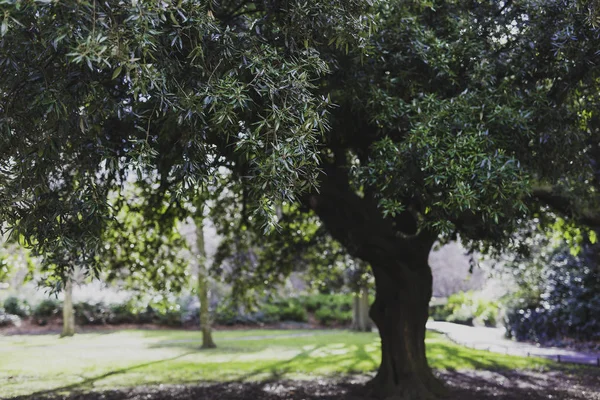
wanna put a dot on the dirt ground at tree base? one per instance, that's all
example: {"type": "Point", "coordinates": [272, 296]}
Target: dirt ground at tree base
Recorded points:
{"type": "Point", "coordinates": [583, 384]}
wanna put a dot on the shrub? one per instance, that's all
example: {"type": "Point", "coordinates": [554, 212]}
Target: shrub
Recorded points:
{"type": "Point", "coordinates": [15, 306]}
{"type": "Point", "coordinates": [91, 313]}
{"type": "Point", "coordinates": [313, 303]}
{"type": "Point", "coordinates": [325, 315]}
{"type": "Point", "coordinates": [468, 308]}
{"type": "Point", "coordinates": [332, 316]}
{"type": "Point", "coordinates": [340, 301]}
{"type": "Point", "coordinates": [438, 312]}
{"type": "Point", "coordinates": [269, 313]}
{"type": "Point", "coordinates": [226, 314]}
{"type": "Point", "coordinates": [122, 314]}
{"type": "Point", "coordinates": [294, 312]}
{"type": "Point", "coordinates": [329, 309]}
{"type": "Point", "coordinates": [170, 316]}
{"type": "Point", "coordinates": [7, 319]}
{"type": "Point", "coordinates": [145, 315]}
{"type": "Point", "coordinates": [285, 310]}
{"type": "Point", "coordinates": [563, 301]}
{"type": "Point", "coordinates": [45, 310]}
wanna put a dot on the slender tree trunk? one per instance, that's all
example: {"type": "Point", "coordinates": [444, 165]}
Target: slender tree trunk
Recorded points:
{"type": "Point", "coordinates": [68, 312]}
{"type": "Point", "coordinates": [203, 290]}
{"type": "Point", "coordinates": [356, 312]}
{"type": "Point", "coordinates": [361, 320]}
{"type": "Point", "coordinates": [205, 322]}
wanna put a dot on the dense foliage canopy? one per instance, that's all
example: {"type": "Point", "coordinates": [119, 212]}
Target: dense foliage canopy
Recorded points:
{"type": "Point", "coordinates": [454, 113]}
{"type": "Point", "coordinates": [90, 89]}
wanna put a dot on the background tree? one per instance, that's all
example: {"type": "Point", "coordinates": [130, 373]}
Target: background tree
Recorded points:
{"type": "Point", "coordinates": [360, 283]}
{"type": "Point", "coordinates": [143, 250]}
{"type": "Point", "coordinates": [68, 314]}
{"type": "Point", "coordinates": [449, 117]}
{"type": "Point", "coordinates": [203, 284]}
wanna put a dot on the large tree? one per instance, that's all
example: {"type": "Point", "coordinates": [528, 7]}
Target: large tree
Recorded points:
{"type": "Point", "coordinates": [390, 123]}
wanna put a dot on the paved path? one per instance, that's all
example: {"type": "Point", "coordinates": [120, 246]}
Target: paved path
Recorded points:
{"type": "Point", "coordinates": [492, 339]}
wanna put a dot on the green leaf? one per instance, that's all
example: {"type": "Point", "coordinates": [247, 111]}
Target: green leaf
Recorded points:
{"type": "Point", "coordinates": [117, 72]}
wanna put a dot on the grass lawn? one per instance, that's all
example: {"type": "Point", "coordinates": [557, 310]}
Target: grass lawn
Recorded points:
{"type": "Point", "coordinates": [30, 364]}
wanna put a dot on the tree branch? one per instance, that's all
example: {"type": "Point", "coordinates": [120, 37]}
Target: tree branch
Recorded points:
{"type": "Point", "coordinates": [565, 206]}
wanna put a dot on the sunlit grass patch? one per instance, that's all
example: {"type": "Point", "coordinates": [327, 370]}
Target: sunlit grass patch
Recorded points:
{"type": "Point", "coordinates": [30, 364]}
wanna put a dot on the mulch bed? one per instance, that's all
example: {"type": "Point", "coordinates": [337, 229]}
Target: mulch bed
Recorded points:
{"type": "Point", "coordinates": [578, 384]}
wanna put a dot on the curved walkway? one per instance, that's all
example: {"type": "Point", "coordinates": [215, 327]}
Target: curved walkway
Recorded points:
{"type": "Point", "coordinates": [492, 339]}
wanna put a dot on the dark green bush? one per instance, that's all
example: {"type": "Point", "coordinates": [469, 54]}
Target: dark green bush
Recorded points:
{"type": "Point", "coordinates": [269, 313]}
{"type": "Point", "coordinates": [338, 301]}
{"type": "Point", "coordinates": [325, 315]}
{"type": "Point", "coordinates": [564, 302]}
{"type": "Point", "coordinates": [285, 310]}
{"type": "Point", "coordinates": [314, 302]}
{"type": "Point", "coordinates": [332, 316]}
{"type": "Point", "coordinates": [91, 313]}
{"type": "Point", "coordinates": [15, 306]}
{"type": "Point", "coordinates": [46, 309]}
{"type": "Point", "coordinates": [226, 314]}
{"type": "Point", "coordinates": [123, 313]}
{"type": "Point", "coordinates": [295, 313]}
{"type": "Point", "coordinates": [330, 309]}
{"type": "Point", "coordinates": [280, 310]}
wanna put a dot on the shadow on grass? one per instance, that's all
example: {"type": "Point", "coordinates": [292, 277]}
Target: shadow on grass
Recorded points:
{"type": "Point", "coordinates": [453, 357]}
{"type": "Point", "coordinates": [518, 385]}
{"type": "Point", "coordinates": [334, 360]}
{"type": "Point", "coordinates": [465, 385]}
{"type": "Point", "coordinates": [315, 360]}
{"type": "Point", "coordinates": [92, 380]}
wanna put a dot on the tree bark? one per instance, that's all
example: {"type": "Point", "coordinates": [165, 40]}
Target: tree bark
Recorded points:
{"type": "Point", "coordinates": [400, 312]}
{"type": "Point", "coordinates": [68, 312]}
{"type": "Point", "coordinates": [403, 284]}
{"type": "Point", "coordinates": [203, 290]}
{"type": "Point", "coordinates": [361, 320]}
{"type": "Point", "coordinates": [205, 322]}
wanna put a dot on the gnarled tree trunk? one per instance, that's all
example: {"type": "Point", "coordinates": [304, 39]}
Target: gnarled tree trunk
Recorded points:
{"type": "Point", "coordinates": [398, 255]}
{"type": "Point", "coordinates": [400, 312]}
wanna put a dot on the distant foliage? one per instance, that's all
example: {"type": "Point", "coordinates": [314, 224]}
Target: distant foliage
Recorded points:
{"type": "Point", "coordinates": [561, 301]}
{"type": "Point", "coordinates": [165, 313]}
{"type": "Point", "coordinates": [129, 312]}
{"type": "Point", "coordinates": [468, 308]}
{"type": "Point", "coordinates": [91, 314]}
{"type": "Point", "coordinates": [279, 310]}
{"type": "Point", "coordinates": [46, 310]}
{"type": "Point", "coordinates": [327, 309]}
{"type": "Point", "coordinates": [15, 306]}
{"type": "Point", "coordinates": [330, 309]}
